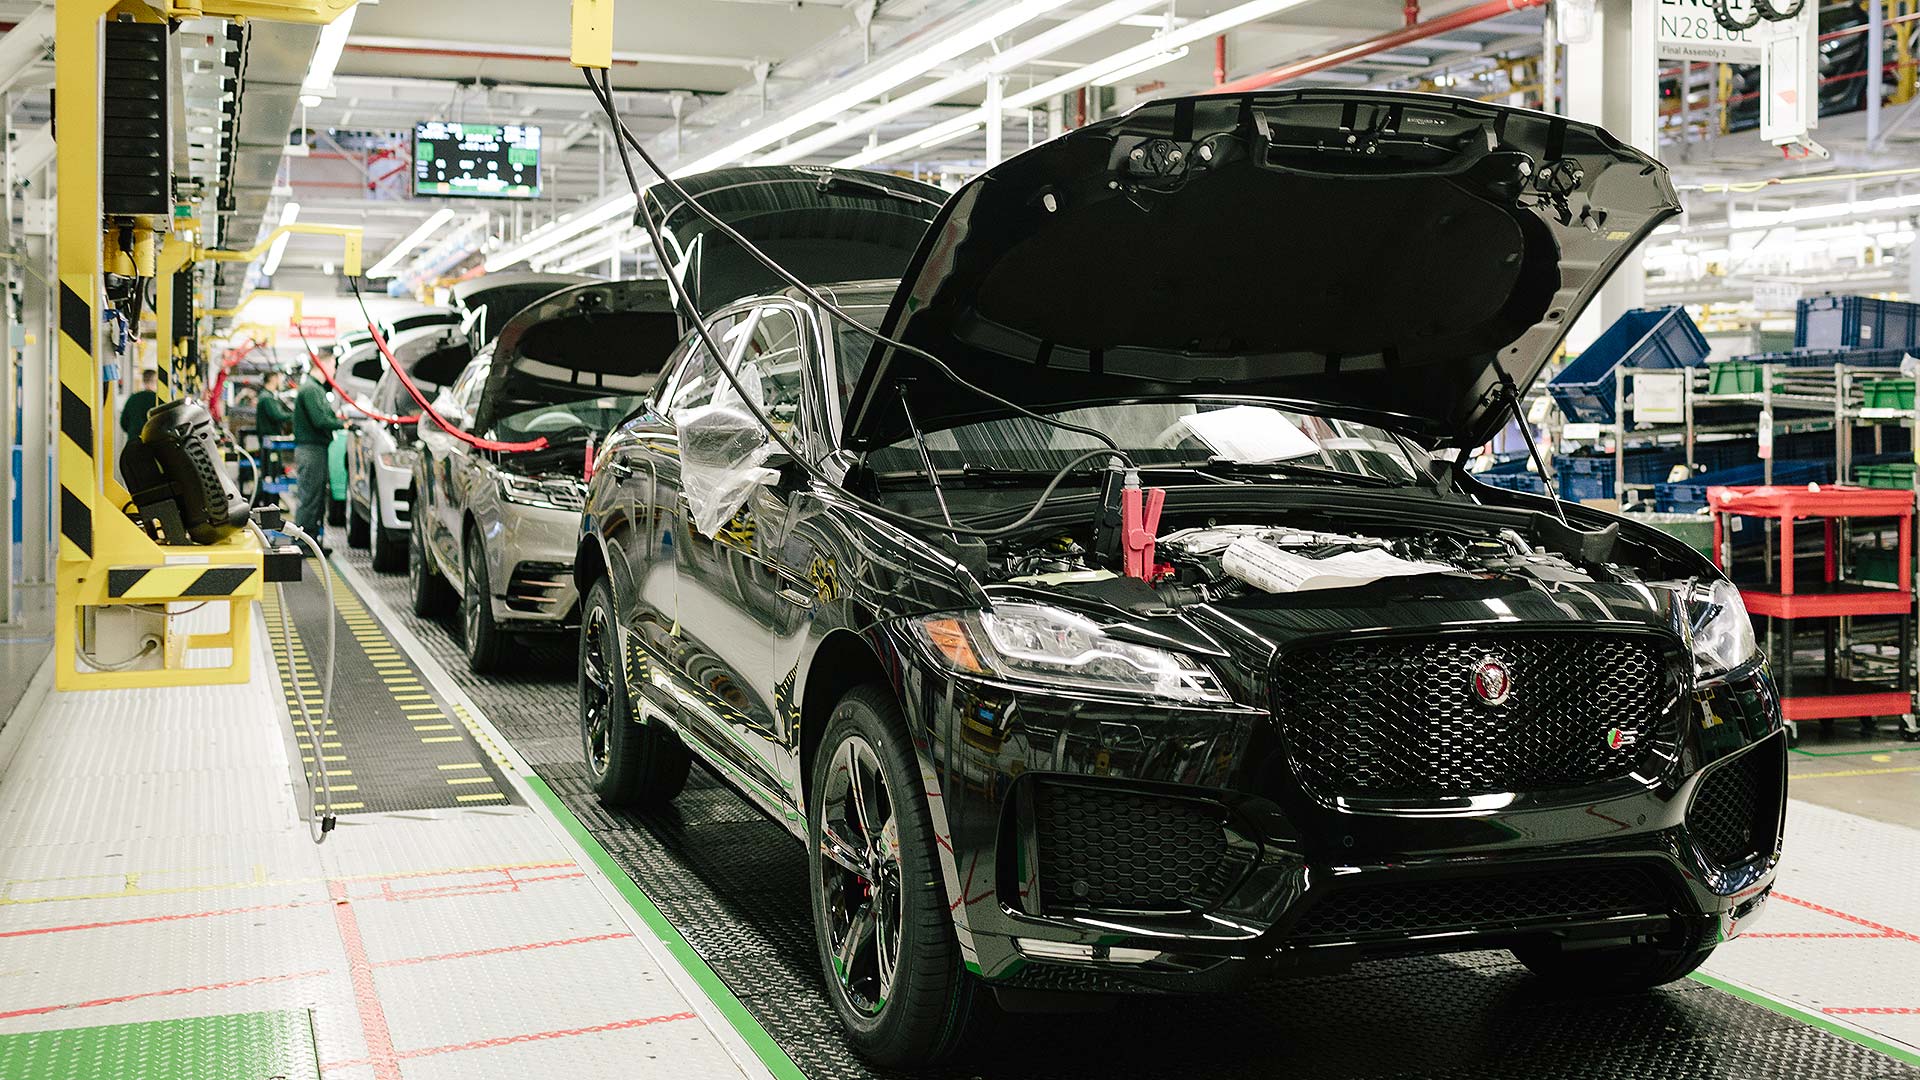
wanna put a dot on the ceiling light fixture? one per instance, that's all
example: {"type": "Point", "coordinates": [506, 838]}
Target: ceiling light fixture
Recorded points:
{"type": "Point", "coordinates": [1045, 43]}
{"type": "Point", "coordinates": [326, 55]}
{"type": "Point", "coordinates": [1151, 62]}
{"type": "Point", "coordinates": [391, 260]}
{"type": "Point", "coordinates": [947, 137]}
{"type": "Point", "coordinates": [889, 74]}
{"type": "Point", "coordinates": [1086, 74]}
{"type": "Point", "coordinates": [288, 215]}
{"type": "Point", "coordinates": [553, 234]}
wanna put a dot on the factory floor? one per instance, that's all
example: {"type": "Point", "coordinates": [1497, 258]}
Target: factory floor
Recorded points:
{"type": "Point", "coordinates": [165, 911]}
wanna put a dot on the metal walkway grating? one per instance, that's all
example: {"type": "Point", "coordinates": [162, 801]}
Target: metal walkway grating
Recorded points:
{"type": "Point", "coordinates": [734, 885]}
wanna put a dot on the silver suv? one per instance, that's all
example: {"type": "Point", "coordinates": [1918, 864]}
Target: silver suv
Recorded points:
{"type": "Point", "coordinates": [499, 528]}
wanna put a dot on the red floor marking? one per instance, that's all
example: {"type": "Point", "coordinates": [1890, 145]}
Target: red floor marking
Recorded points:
{"type": "Point", "coordinates": [1856, 920]}
{"type": "Point", "coordinates": [541, 1036]}
{"type": "Point", "coordinates": [1869, 1011]}
{"type": "Point", "coordinates": [501, 949]}
{"type": "Point", "coordinates": [373, 1018]}
{"type": "Point", "coordinates": [1867, 936]}
{"type": "Point", "coordinates": [477, 888]}
{"type": "Point", "coordinates": [41, 1010]}
{"type": "Point", "coordinates": [156, 919]}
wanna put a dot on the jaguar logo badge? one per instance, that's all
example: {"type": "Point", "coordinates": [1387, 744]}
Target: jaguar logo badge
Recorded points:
{"type": "Point", "coordinates": [1617, 738]}
{"type": "Point", "coordinates": [1491, 682]}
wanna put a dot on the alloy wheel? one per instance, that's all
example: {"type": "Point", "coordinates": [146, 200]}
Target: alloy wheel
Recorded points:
{"type": "Point", "coordinates": [596, 688]}
{"type": "Point", "coordinates": [860, 877]}
{"type": "Point", "coordinates": [475, 596]}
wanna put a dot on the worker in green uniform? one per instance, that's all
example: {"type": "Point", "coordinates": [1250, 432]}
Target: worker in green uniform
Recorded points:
{"type": "Point", "coordinates": [271, 415]}
{"type": "Point", "coordinates": [133, 415]}
{"type": "Point", "coordinates": [314, 423]}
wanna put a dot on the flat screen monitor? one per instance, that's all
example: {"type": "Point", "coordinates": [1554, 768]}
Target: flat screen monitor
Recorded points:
{"type": "Point", "coordinates": [486, 161]}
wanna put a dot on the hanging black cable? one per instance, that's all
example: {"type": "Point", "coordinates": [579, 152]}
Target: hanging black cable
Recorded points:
{"type": "Point", "coordinates": [682, 298]}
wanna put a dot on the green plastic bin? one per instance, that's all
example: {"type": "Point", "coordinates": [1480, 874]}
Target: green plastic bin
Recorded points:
{"type": "Point", "coordinates": [1694, 530]}
{"type": "Point", "coordinates": [1896, 474]}
{"type": "Point", "coordinates": [1734, 377]}
{"type": "Point", "coordinates": [1888, 393]}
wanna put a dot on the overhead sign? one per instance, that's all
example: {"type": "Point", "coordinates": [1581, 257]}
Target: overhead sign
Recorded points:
{"type": "Point", "coordinates": [1688, 30]}
{"type": "Point", "coordinates": [478, 160]}
{"type": "Point", "coordinates": [314, 328]}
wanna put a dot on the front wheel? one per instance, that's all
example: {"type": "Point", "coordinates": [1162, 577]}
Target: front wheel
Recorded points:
{"type": "Point", "coordinates": [358, 529]}
{"type": "Point", "coordinates": [484, 640]}
{"type": "Point", "coordinates": [629, 763]}
{"type": "Point", "coordinates": [1624, 967]}
{"type": "Point", "coordinates": [882, 925]}
{"type": "Point", "coordinates": [389, 545]}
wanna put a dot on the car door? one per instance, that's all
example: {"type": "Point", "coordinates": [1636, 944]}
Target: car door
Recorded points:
{"type": "Point", "coordinates": [727, 602]}
{"type": "Point", "coordinates": [437, 500]}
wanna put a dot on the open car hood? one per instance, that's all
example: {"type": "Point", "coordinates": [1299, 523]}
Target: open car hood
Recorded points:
{"type": "Point", "coordinates": [823, 224]}
{"type": "Point", "coordinates": [486, 303]}
{"type": "Point", "coordinates": [1362, 253]}
{"type": "Point", "coordinates": [594, 340]}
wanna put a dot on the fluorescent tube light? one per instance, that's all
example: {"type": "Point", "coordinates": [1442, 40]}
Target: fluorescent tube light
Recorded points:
{"type": "Point", "coordinates": [288, 215]}
{"type": "Point", "coordinates": [944, 138]}
{"type": "Point", "coordinates": [1146, 65]}
{"type": "Point", "coordinates": [391, 260]}
{"type": "Point", "coordinates": [326, 55]}
{"type": "Point", "coordinates": [552, 235]}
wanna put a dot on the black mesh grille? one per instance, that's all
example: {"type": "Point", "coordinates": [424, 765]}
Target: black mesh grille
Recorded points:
{"type": "Point", "coordinates": [1400, 718]}
{"type": "Point", "coordinates": [1115, 849]}
{"type": "Point", "coordinates": [1409, 907]}
{"type": "Point", "coordinates": [1736, 812]}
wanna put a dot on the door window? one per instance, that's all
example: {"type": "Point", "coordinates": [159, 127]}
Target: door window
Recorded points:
{"type": "Point", "coordinates": [764, 346]}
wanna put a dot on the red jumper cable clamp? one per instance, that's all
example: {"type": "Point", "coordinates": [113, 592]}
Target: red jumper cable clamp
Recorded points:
{"type": "Point", "coordinates": [1139, 524]}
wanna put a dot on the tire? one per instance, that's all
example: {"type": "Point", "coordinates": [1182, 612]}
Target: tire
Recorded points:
{"type": "Point", "coordinates": [1623, 968]}
{"type": "Point", "coordinates": [484, 641]}
{"type": "Point", "coordinates": [358, 528]}
{"type": "Point", "coordinates": [336, 511]}
{"type": "Point", "coordinates": [426, 590]}
{"type": "Point", "coordinates": [921, 1015]}
{"type": "Point", "coordinates": [389, 545]}
{"type": "Point", "coordinates": [628, 763]}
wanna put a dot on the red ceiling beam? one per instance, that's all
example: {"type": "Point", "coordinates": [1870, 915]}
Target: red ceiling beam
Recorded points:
{"type": "Point", "coordinates": [1387, 42]}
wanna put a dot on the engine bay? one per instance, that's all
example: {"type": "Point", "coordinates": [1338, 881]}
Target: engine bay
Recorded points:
{"type": "Point", "coordinates": [1208, 560]}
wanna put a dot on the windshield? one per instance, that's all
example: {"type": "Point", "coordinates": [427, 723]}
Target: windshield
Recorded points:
{"type": "Point", "coordinates": [562, 421]}
{"type": "Point", "coordinates": [1219, 434]}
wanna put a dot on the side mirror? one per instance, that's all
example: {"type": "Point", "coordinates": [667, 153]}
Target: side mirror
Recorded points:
{"type": "Point", "coordinates": [722, 439]}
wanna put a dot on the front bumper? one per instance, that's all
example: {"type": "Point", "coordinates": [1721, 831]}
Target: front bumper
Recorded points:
{"type": "Point", "coordinates": [1307, 883]}
{"type": "Point", "coordinates": [395, 487]}
{"type": "Point", "coordinates": [530, 564]}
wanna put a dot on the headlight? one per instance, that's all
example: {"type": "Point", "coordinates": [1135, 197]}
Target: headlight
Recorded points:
{"type": "Point", "coordinates": [1722, 633]}
{"type": "Point", "coordinates": [1045, 644]}
{"type": "Point", "coordinates": [554, 493]}
{"type": "Point", "coordinates": [395, 459]}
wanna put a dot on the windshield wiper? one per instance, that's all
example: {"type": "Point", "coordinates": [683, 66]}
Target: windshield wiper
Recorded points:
{"type": "Point", "coordinates": [1248, 470]}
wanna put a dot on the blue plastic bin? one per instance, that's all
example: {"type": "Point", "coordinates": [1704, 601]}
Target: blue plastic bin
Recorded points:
{"type": "Point", "coordinates": [1583, 477]}
{"type": "Point", "coordinates": [1888, 357]}
{"type": "Point", "coordinates": [1646, 338]}
{"type": "Point", "coordinates": [1855, 322]}
{"type": "Point", "coordinates": [1514, 481]}
{"type": "Point", "coordinates": [1687, 496]}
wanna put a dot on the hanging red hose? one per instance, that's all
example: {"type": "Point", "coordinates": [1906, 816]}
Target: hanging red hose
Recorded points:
{"type": "Point", "coordinates": [426, 408]}
{"type": "Point", "coordinates": [320, 366]}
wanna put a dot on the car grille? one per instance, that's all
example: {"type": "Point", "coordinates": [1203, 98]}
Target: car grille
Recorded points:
{"type": "Point", "coordinates": [1115, 849]}
{"type": "Point", "coordinates": [1400, 718]}
{"type": "Point", "coordinates": [1438, 906]}
{"type": "Point", "coordinates": [1735, 816]}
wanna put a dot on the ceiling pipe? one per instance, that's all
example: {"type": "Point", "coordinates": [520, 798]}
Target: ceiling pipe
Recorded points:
{"type": "Point", "coordinates": [1387, 42]}
{"type": "Point", "coordinates": [1219, 59]}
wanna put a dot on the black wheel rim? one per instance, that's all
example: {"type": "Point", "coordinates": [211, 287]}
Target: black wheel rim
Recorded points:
{"type": "Point", "coordinates": [417, 561]}
{"type": "Point", "coordinates": [596, 688]}
{"type": "Point", "coordinates": [860, 877]}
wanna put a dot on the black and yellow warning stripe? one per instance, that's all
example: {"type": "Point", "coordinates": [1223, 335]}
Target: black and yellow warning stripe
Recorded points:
{"type": "Point", "coordinates": [180, 582]}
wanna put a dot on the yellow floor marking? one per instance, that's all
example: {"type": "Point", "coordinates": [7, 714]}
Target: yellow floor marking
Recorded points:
{"type": "Point", "coordinates": [342, 806]}
{"type": "Point", "coordinates": [330, 772]}
{"type": "Point", "coordinates": [303, 744]}
{"type": "Point", "coordinates": [479, 798]}
{"type": "Point", "coordinates": [470, 780]}
{"type": "Point", "coordinates": [427, 706]}
{"type": "Point", "coordinates": [463, 765]}
{"type": "Point", "coordinates": [441, 738]}
{"type": "Point", "coordinates": [413, 697]}
{"type": "Point", "coordinates": [1881, 757]}
{"type": "Point", "coordinates": [326, 757]}
{"type": "Point", "coordinates": [344, 787]}
{"type": "Point", "coordinates": [1799, 776]}
{"type": "Point", "coordinates": [433, 727]}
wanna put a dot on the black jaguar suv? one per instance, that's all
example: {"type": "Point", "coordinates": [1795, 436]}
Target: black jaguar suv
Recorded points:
{"type": "Point", "coordinates": [1307, 693]}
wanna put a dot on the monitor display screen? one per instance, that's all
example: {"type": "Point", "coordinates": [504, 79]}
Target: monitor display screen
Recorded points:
{"type": "Point", "coordinates": [480, 160]}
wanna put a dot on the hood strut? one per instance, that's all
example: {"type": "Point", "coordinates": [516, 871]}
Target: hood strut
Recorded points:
{"type": "Point", "coordinates": [1526, 432]}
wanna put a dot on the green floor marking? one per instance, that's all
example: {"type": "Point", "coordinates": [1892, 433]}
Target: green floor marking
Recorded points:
{"type": "Point", "coordinates": [1855, 753]}
{"type": "Point", "coordinates": [238, 1046]}
{"type": "Point", "coordinates": [1794, 1012]}
{"type": "Point", "coordinates": [709, 981]}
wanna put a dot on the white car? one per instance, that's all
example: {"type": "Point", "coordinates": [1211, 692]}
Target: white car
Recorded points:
{"type": "Point", "coordinates": [380, 453]}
